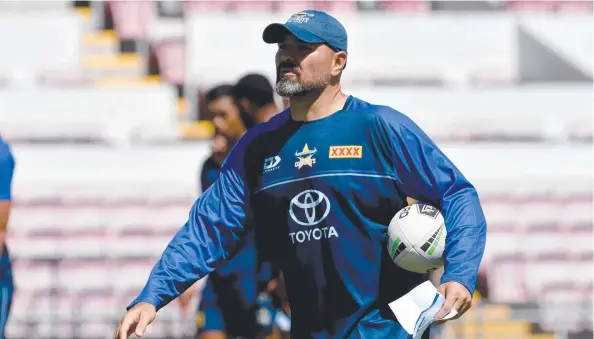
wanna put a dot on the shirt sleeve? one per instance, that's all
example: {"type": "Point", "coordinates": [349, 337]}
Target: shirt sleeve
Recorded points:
{"type": "Point", "coordinates": [426, 174]}
{"type": "Point", "coordinates": [6, 172]}
{"type": "Point", "coordinates": [214, 228]}
{"type": "Point", "coordinates": [208, 174]}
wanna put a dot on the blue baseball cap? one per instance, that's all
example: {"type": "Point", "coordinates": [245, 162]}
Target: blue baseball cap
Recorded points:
{"type": "Point", "coordinates": [310, 26]}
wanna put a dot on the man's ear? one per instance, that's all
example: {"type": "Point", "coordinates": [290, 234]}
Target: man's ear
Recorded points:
{"type": "Point", "coordinates": [340, 60]}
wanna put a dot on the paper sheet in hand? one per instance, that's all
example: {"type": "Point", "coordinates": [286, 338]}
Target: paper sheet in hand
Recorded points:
{"type": "Point", "coordinates": [416, 310]}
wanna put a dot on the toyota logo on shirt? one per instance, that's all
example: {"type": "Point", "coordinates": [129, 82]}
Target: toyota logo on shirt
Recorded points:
{"type": "Point", "coordinates": [309, 207]}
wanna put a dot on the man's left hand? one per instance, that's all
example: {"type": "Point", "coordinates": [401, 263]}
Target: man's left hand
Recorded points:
{"type": "Point", "coordinates": [456, 297]}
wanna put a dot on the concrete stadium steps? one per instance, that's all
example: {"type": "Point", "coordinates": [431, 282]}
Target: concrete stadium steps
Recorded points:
{"type": "Point", "coordinates": [102, 61]}
{"type": "Point", "coordinates": [130, 65]}
{"type": "Point", "coordinates": [101, 56]}
{"type": "Point", "coordinates": [100, 42]}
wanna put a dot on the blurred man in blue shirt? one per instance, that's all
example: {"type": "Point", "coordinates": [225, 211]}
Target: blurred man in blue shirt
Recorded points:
{"type": "Point", "coordinates": [235, 301]}
{"type": "Point", "coordinates": [319, 183]}
{"type": "Point", "coordinates": [6, 281]}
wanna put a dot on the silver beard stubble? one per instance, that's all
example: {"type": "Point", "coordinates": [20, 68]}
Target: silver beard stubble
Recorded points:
{"type": "Point", "coordinates": [289, 88]}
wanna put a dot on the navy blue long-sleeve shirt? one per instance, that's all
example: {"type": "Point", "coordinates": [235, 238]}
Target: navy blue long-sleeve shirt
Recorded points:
{"type": "Point", "coordinates": [321, 195]}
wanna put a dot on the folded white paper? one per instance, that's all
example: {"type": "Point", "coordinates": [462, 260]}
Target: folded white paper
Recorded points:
{"type": "Point", "coordinates": [416, 310]}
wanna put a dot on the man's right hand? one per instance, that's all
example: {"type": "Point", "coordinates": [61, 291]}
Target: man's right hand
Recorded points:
{"type": "Point", "coordinates": [136, 320]}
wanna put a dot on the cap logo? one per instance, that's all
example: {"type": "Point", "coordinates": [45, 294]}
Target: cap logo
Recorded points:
{"type": "Point", "coordinates": [300, 18]}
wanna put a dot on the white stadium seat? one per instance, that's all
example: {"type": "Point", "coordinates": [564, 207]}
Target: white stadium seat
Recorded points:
{"type": "Point", "coordinates": [52, 42]}
{"type": "Point", "coordinates": [110, 113]}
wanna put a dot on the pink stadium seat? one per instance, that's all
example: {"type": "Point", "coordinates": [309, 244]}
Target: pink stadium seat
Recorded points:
{"type": "Point", "coordinates": [83, 221]}
{"type": "Point", "coordinates": [576, 189]}
{"type": "Point", "coordinates": [81, 195]}
{"type": "Point", "coordinates": [129, 276]}
{"type": "Point", "coordinates": [539, 215]}
{"type": "Point", "coordinates": [545, 245]}
{"type": "Point", "coordinates": [129, 220]}
{"type": "Point", "coordinates": [574, 6]}
{"type": "Point", "coordinates": [170, 194]}
{"type": "Point", "coordinates": [78, 276]}
{"type": "Point", "coordinates": [93, 330]}
{"type": "Point", "coordinates": [34, 221]}
{"type": "Point", "coordinates": [206, 6]}
{"type": "Point", "coordinates": [530, 5]}
{"type": "Point", "coordinates": [580, 244]}
{"type": "Point", "coordinates": [146, 220]}
{"type": "Point", "coordinates": [171, 58]}
{"type": "Point", "coordinates": [549, 6]}
{"type": "Point", "coordinates": [506, 281]}
{"type": "Point", "coordinates": [31, 277]}
{"type": "Point", "coordinates": [97, 306]}
{"type": "Point", "coordinates": [578, 215]}
{"type": "Point", "coordinates": [89, 247]}
{"type": "Point", "coordinates": [493, 191]}
{"type": "Point", "coordinates": [539, 274]}
{"type": "Point", "coordinates": [501, 216]}
{"type": "Point", "coordinates": [580, 130]}
{"type": "Point", "coordinates": [38, 248]}
{"type": "Point", "coordinates": [137, 247]}
{"type": "Point", "coordinates": [252, 6]}
{"type": "Point", "coordinates": [294, 6]}
{"type": "Point", "coordinates": [129, 196]}
{"type": "Point", "coordinates": [405, 6]}
{"type": "Point", "coordinates": [502, 245]}
{"type": "Point", "coordinates": [131, 18]}
{"type": "Point", "coordinates": [169, 219]}
{"type": "Point", "coordinates": [342, 6]}
{"type": "Point", "coordinates": [532, 189]}
{"type": "Point", "coordinates": [553, 302]}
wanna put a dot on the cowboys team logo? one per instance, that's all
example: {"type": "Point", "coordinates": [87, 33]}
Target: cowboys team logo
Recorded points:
{"type": "Point", "coordinates": [305, 157]}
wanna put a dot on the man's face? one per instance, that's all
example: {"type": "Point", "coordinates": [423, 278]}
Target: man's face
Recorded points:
{"type": "Point", "coordinates": [302, 67]}
{"type": "Point", "coordinates": [225, 117]}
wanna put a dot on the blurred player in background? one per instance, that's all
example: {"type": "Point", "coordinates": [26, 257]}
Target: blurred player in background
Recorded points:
{"type": "Point", "coordinates": [255, 95]}
{"type": "Point", "coordinates": [236, 300]}
{"type": "Point", "coordinates": [345, 167]}
{"type": "Point", "coordinates": [6, 282]}
{"type": "Point", "coordinates": [229, 299]}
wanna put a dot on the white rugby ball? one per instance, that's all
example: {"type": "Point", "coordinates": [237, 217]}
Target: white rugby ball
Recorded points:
{"type": "Point", "coordinates": [416, 238]}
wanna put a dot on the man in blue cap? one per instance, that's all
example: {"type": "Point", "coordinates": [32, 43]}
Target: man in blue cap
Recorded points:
{"type": "Point", "coordinates": [320, 182]}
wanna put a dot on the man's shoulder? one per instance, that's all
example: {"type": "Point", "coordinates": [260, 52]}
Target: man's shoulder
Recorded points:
{"type": "Point", "coordinates": [271, 125]}
{"type": "Point", "coordinates": [259, 132]}
{"type": "Point", "coordinates": [377, 112]}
